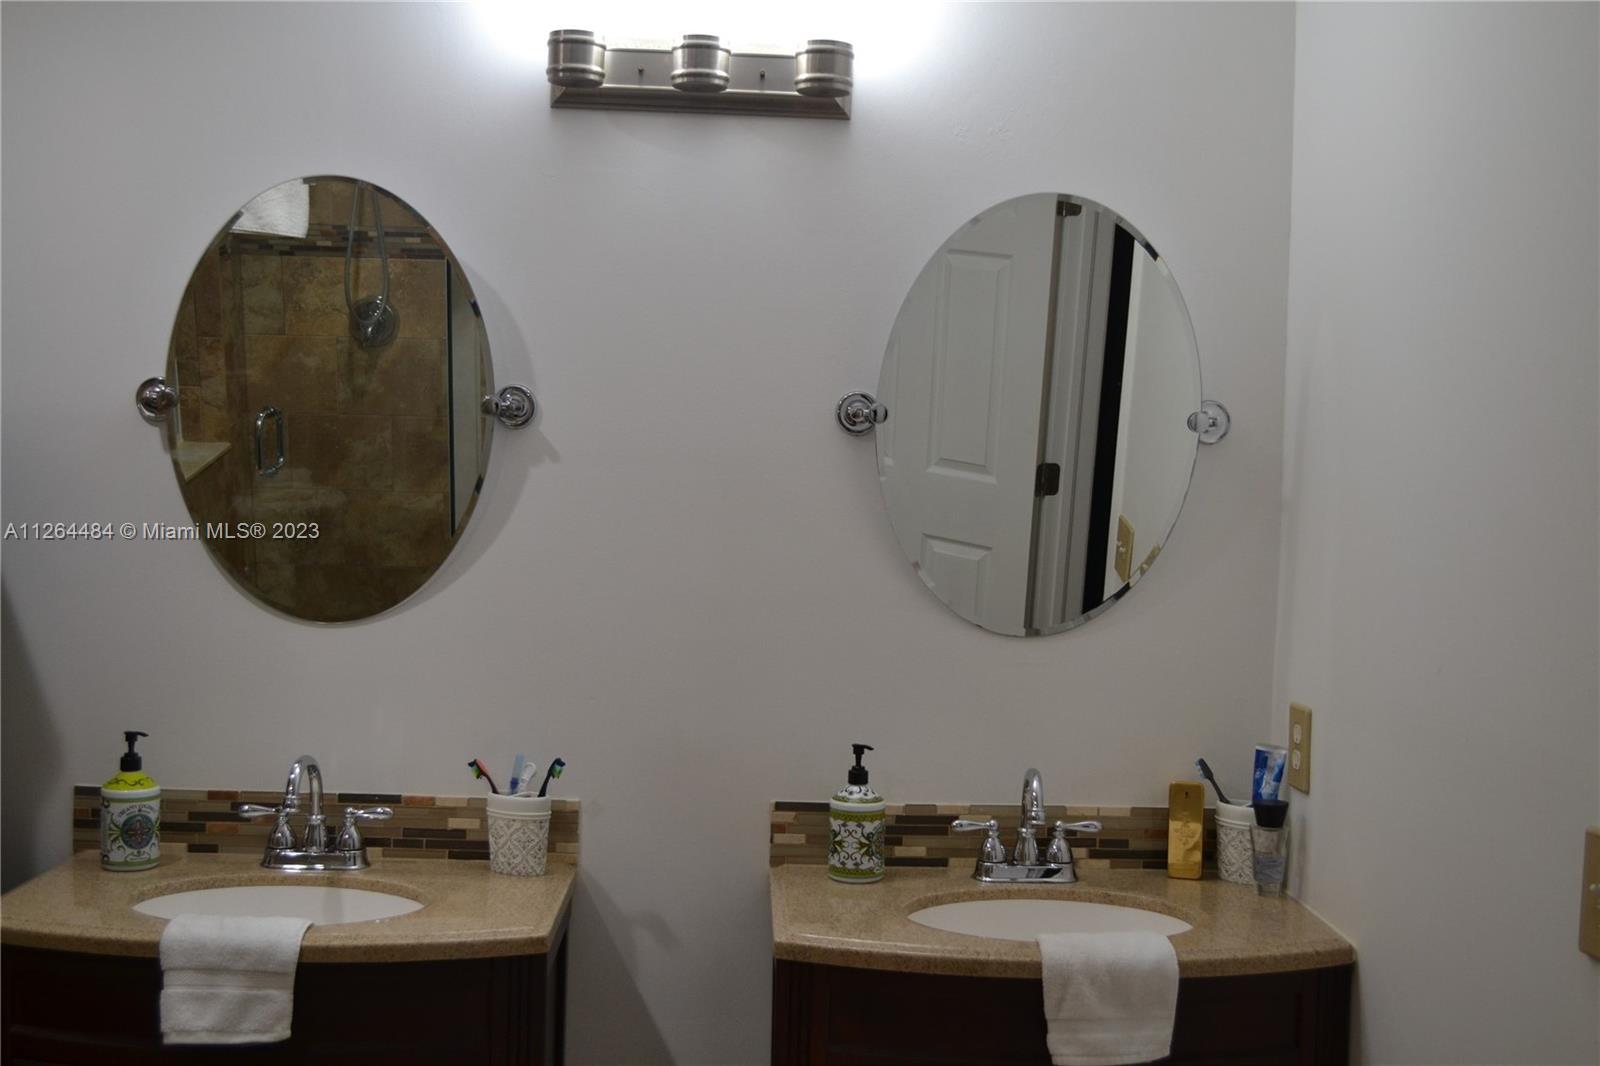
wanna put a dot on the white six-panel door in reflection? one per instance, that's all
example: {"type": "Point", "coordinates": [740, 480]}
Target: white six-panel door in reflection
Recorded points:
{"type": "Point", "coordinates": [963, 379]}
{"type": "Point", "coordinates": [1038, 378]}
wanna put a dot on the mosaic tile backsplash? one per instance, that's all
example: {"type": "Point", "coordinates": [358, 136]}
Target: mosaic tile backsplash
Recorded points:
{"type": "Point", "coordinates": [423, 827]}
{"type": "Point", "coordinates": [919, 834]}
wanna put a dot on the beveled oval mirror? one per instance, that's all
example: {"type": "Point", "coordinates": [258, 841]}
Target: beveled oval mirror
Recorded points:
{"type": "Point", "coordinates": [330, 364]}
{"type": "Point", "coordinates": [1038, 381]}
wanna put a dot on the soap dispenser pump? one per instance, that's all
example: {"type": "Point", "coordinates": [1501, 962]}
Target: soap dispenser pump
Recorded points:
{"type": "Point", "coordinates": [130, 814]}
{"type": "Point", "coordinates": [855, 828]}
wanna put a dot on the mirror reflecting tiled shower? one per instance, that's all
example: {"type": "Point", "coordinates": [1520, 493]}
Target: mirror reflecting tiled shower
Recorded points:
{"type": "Point", "coordinates": [384, 445]}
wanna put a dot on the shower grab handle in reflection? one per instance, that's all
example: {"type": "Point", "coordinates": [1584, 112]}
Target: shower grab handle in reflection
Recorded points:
{"type": "Point", "coordinates": [262, 469]}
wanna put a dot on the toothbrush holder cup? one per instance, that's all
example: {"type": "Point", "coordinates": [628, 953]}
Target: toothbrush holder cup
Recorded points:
{"type": "Point", "coordinates": [1235, 851]}
{"type": "Point", "coordinates": [519, 835]}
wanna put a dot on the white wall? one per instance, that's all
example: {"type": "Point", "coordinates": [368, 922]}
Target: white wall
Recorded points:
{"type": "Point", "coordinates": [1440, 538]}
{"type": "Point", "coordinates": [682, 579]}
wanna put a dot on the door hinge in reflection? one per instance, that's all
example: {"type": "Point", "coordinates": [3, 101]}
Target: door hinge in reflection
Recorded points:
{"type": "Point", "coordinates": [1047, 479]}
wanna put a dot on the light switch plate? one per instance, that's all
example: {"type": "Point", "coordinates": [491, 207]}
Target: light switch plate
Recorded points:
{"type": "Point", "coordinates": [1123, 562]}
{"type": "Point", "coordinates": [1589, 922]}
{"type": "Point", "coordinates": [1299, 769]}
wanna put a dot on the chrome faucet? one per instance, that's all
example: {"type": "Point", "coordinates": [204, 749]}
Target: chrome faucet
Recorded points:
{"type": "Point", "coordinates": [316, 835]}
{"type": "Point", "coordinates": [1026, 853]}
{"type": "Point", "coordinates": [349, 851]}
{"type": "Point", "coordinates": [1057, 867]}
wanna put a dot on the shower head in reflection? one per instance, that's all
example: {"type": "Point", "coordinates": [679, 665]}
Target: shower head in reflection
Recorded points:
{"type": "Point", "coordinates": [373, 321]}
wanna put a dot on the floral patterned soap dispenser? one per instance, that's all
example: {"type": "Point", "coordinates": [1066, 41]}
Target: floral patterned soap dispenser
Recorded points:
{"type": "Point", "coordinates": [130, 814]}
{"type": "Point", "coordinates": [855, 828]}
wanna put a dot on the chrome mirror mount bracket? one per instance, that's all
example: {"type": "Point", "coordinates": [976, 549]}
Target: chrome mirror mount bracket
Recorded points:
{"type": "Point", "coordinates": [156, 400]}
{"type": "Point", "coordinates": [860, 412]}
{"type": "Point", "coordinates": [513, 406]}
{"type": "Point", "coordinates": [1211, 423]}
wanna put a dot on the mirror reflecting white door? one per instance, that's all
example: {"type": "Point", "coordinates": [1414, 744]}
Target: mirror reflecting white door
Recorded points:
{"type": "Point", "coordinates": [1039, 378]}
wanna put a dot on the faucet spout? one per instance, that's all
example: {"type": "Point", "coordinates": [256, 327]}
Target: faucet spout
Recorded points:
{"type": "Point", "coordinates": [316, 830]}
{"type": "Point", "coordinates": [1026, 852]}
{"type": "Point", "coordinates": [1033, 797]}
{"type": "Point", "coordinates": [304, 767]}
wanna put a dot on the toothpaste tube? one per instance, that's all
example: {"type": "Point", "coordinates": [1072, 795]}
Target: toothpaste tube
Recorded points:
{"type": "Point", "coordinates": [1267, 779]}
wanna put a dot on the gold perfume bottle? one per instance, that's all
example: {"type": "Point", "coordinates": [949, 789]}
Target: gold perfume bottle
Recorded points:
{"type": "Point", "coordinates": [1186, 819]}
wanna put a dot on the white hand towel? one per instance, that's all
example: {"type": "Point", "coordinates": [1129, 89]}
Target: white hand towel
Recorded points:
{"type": "Point", "coordinates": [1109, 998]}
{"type": "Point", "coordinates": [283, 210]}
{"type": "Point", "coordinates": [228, 980]}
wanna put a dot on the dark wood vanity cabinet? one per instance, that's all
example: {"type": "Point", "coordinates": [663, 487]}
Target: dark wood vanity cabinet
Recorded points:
{"type": "Point", "coordinates": [69, 1008]}
{"type": "Point", "coordinates": [837, 1016]}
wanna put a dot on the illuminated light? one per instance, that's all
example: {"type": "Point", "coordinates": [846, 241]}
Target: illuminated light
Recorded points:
{"type": "Point", "coordinates": [888, 35]}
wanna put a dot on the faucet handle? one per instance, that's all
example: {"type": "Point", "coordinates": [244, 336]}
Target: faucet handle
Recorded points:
{"type": "Point", "coordinates": [993, 850]}
{"type": "Point", "coordinates": [1060, 852]}
{"type": "Point", "coordinates": [280, 838]}
{"type": "Point", "coordinates": [350, 836]}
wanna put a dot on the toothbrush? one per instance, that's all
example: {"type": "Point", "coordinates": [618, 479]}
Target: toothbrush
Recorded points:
{"type": "Point", "coordinates": [556, 766]}
{"type": "Point", "coordinates": [517, 766]}
{"type": "Point", "coordinates": [1200, 764]}
{"type": "Point", "coordinates": [476, 765]}
{"type": "Point", "coordinates": [529, 771]}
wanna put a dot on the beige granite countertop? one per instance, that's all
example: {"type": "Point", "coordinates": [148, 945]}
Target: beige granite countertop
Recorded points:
{"type": "Point", "coordinates": [1235, 931]}
{"type": "Point", "coordinates": [467, 911]}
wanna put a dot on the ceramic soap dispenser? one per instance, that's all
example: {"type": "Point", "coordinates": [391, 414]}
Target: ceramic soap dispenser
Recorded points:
{"type": "Point", "coordinates": [855, 828]}
{"type": "Point", "coordinates": [130, 814]}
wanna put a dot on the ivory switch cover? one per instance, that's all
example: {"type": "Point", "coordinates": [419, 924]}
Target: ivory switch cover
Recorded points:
{"type": "Point", "coordinates": [1589, 923]}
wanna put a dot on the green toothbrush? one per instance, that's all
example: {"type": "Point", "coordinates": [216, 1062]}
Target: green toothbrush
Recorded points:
{"type": "Point", "coordinates": [556, 766]}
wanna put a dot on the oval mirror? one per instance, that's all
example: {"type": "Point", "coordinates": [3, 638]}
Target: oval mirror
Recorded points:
{"type": "Point", "coordinates": [1038, 380]}
{"type": "Point", "coordinates": [330, 363]}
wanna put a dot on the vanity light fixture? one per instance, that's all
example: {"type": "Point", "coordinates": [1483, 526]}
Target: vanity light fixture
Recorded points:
{"type": "Point", "coordinates": [700, 64]}
{"type": "Point", "coordinates": [700, 74]}
{"type": "Point", "coordinates": [825, 68]}
{"type": "Point", "coordinates": [577, 59]}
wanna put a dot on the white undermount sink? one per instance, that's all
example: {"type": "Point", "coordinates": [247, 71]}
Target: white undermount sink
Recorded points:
{"type": "Point", "coordinates": [322, 904]}
{"type": "Point", "coordinates": [1025, 919]}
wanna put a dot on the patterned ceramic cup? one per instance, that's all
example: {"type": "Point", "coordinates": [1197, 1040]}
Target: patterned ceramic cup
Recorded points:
{"type": "Point", "coordinates": [1235, 854]}
{"type": "Point", "coordinates": [519, 835]}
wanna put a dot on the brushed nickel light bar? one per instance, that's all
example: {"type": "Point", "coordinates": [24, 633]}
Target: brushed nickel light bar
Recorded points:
{"type": "Point", "coordinates": [700, 75]}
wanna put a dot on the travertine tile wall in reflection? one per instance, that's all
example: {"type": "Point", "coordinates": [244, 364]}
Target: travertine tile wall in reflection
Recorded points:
{"type": "Point", "coordinates": [367, 431]}
{"type": "Point", "coordinates": [369, 449]}
{"type": "Point", "coordinates": [207, 362]}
